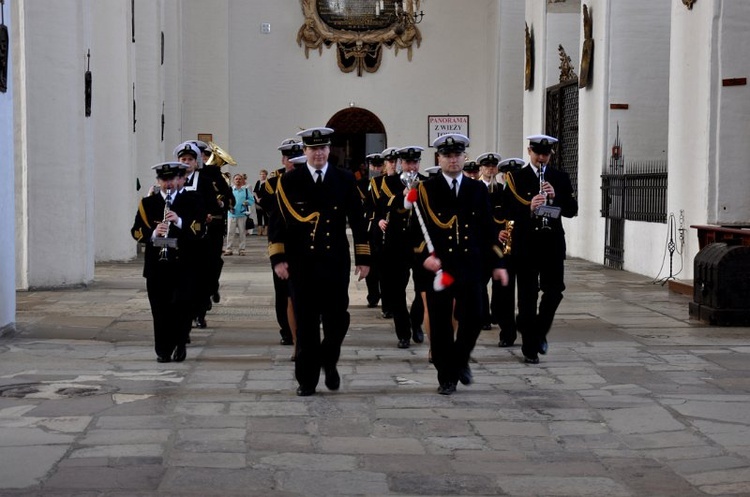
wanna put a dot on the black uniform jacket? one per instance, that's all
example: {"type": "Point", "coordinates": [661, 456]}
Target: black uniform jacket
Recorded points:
{"type": "Point", "coordinates": [213, 188]}
{"type": "Point", "coordinates": [312, 219]}
{"type": "Point", "coordinates": [189, 207]}
{"type": "Point", "coordinates": [461, 228]}
{"type": "Point", "coordinates": [521, 187]}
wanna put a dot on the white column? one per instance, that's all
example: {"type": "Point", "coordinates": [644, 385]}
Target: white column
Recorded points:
{"type": "Point", "coordinates": [7, 197]}
{"type": "Point", "coordinates": [586, 239]}
{"type": "Point", "coordinates": [55, 200]}
{"type": "Point", "coordinates": [110, 129]}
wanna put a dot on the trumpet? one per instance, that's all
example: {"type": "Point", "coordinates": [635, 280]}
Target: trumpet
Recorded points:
{"type": "Point", "coordinates": [507, 245]}
{"type": "Point", "coordinates": [164, 252]}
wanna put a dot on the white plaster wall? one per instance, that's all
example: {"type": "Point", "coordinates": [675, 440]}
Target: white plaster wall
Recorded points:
{"type": "Point", "coordinates": [109, 130]}
{"type": "Point", "coordinates": [7, 197]}
{"type": "Point", "coordinates": [534, 99]}
{"type": "Point", "coordinates": [270, 91]}
{"type": "Point", "coordinates": [55, 209]}
{"type": "Point", "coordinates": [693, 76]}
{"type": "Point", "coordinates": [510, 78]}
{"type": "Point", "coordinates": [732, 206]}
{"type": "Point", "coordinates": [171, 19]}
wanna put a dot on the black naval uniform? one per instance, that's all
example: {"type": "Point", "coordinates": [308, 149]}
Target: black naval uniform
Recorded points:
{"type": "Point", "coordinates": [538, 252]}
{"type": "Point", "coordinates": [267, 201]}
{"type": "Point", "coordinates": [501, 308]}
{"type": "Point", "coordinates": [172, 285]}
{"type": "Point", "coordinates": [398, 261]}
{"type": "Point", "coordinates": [369, 194]}
{"type": "Point", "coordinates": [309, 233]}
{"type": "Point", "coordinates": [465, 241]}
{"type": "Point", "coordinates": [209, 183]}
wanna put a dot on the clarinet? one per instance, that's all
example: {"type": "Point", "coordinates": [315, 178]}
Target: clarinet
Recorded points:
{"type": "Point", "coordinates": [545, 221]}
{"type": "Point", "coordinates": [164, 252]}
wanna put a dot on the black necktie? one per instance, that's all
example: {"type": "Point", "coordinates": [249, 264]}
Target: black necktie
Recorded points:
{"type": "Point", "coordinates": [319, 181]}
{"type": "Point", "coordinates": [454, 188]}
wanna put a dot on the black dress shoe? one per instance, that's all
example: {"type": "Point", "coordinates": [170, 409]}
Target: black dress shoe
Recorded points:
{"type": "Point", "coordinates": [386, 315]}
{"type": "Point", "coordinates": [446, 388]}
{"type": "Point", "coordinates": [505, 343]}
{"type": "Point", "coordinates": [286, 341]}
{"type": "Point", "coordinates": [216, 297]}
{"type": "Point", "coordinates": [304, 391]}
{"type": "Point", "coordinates": [372, 305]}
{"type": "Point", "coordinates": [163, 359]}
{"type": "Point", "coordinates": [209, 306]}
{"type": "Point", "coordinates": [486, 326]}
{"type": "Point", "coordinates": [531, 359]}
{"type": "Point", "coordinates": [403, 343]}
{"type": "Point", "coordinates": [543, 346]}
{"type": "Point", "coordinates": [465, 376]}
{"type": "Point", "coordinates": [200, 322]}
{"type": "Point", "coordinates": [417, 335]}
{"type": "Point", "coordinates": [333, 380]}
{"type": "Point", "coordinates": [179, 353]}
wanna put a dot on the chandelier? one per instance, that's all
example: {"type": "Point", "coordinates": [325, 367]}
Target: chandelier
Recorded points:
{"type": "Point", "coordinates": [403, 15]}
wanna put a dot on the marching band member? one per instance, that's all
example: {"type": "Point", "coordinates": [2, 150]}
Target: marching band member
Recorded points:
{"type": "Point", "coordinates": [170, 215]}
{"type": "Point", "coordinates": [457, 219]}
{"type": "Point", "coordinates": [309, 246]}
{"type": "Point", "coordinates": [538, 241]}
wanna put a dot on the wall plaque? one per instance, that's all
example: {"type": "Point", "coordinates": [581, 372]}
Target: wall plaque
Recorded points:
{"type": "Point", "coordinates": [360, 29]}
{"type": "Point", "coordinates": [442, 125]}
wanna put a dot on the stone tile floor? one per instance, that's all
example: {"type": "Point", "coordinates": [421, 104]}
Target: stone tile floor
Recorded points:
{"type": "Point", "coordinates": [633, 399]}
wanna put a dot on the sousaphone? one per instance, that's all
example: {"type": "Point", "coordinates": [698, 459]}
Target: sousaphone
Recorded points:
{"type": "Point", "coordinates": [219, 156]}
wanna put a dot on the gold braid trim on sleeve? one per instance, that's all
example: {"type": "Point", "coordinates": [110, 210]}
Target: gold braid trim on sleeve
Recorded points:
{"type": "Point", "coordinates": [312, 218]}
{"type": "Point", "coordinates": [425, 201]}
{"type": "Point", "coordinates": [138, 234]}
{"type": "Point", "coordinates": [512, 185]}
{"type": "Point", "coordinates": [142, 212]}
{"type": "Point", "coordinates": [362, 248]}
{"type": "Point", "coordinates": [275, 248]}
{"type": "Point", "coordinates": [420, 249]}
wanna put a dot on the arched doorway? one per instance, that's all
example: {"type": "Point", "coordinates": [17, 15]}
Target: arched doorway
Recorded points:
{"type": "Point", "coordinates": [358, 132]}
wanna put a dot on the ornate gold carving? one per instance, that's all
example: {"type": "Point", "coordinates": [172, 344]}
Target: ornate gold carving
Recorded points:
{"type": "Point", "coordinates": [359, 36]}
{"type": "Point", "coordinates": [587, 52]}
{"type": "Point", "coordinates": [566, 67]}
{"type": "Point", "coordinates": [529, 71]}
{"type": "Point", "coordinates": [689, 4]}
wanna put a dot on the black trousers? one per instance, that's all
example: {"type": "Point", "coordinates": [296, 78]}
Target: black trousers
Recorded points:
{"type": "Point", "coordinates": [320, 295]}
{"type": "Point", "coordinates": [502, 304]}
{"type": "Point", "coordinates": [395, 278]}
{"type": "Point", "coordinates": [281, 297]}
{"type": "Point", "coordinates": [171, 310]}
{"type": "Point", "coordinates": [541, 267]}
{"type": "Point", "coordinates": [210, 266]}
{"type": "Point", "coordinates": [449, 353]}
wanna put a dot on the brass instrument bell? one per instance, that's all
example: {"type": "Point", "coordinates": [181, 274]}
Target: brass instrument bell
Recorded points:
{"type": "Point", "coordinates": [219, 156]}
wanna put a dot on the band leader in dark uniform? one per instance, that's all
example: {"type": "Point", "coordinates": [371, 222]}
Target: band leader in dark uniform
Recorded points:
{"type": "Point", "coordinates": [458, 218]}
{"type": "Point", "coordinates": [308, 244]}
{"type": "Point", "coordinates": [538, 241]}
{"type": "Point", "coordinates": [175, 215]}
